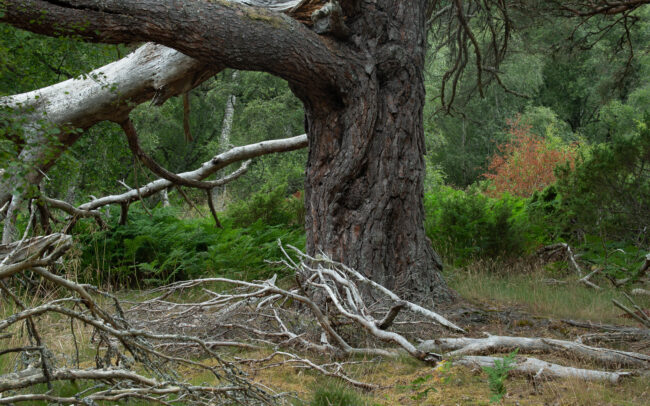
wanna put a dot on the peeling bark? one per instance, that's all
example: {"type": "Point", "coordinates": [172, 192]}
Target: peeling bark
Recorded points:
{"type": "Point", "coordinates": [541, 369]}
{"type": "Point", "coordinates": [108, 93]}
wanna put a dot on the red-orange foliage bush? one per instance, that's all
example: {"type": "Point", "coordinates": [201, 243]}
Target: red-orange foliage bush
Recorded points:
{"type": "Point", "coordinates": [525, 163]}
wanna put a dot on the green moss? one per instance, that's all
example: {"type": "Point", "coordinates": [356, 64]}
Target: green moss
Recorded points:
{"type": "Point", "coordinates": [274, 20]}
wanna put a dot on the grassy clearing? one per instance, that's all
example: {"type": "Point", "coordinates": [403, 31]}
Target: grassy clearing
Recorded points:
{"type": "Point", "coordinates": [529, 290]}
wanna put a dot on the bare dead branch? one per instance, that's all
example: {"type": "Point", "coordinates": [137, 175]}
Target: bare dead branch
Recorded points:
{"type": "Point", "coordinates": [639, 315]}
{"type": "Point", "coordinates": [122, 345]}
{"type": "Point", "coordinates": [585, 280]}
{"type": "Point", "coordinates": [345, 270]}
{"type": "Point", "coordinates": [604, 7]}
{"type": "Point", "coordinates": [74, 212]}
{"type": "Point", "coordinates": [134, 145]}
{"type": "Point", "coordinates": [220, 161]}
{"type": "Point", "coordinates": [390, 316]}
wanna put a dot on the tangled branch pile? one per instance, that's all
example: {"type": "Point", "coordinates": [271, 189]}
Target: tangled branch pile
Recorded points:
{"type": "Point", "coordinates": [332, 311]}
{"type": "Point", "coordinates": [127, 363]}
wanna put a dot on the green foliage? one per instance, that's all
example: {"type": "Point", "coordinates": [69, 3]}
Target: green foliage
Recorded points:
{"type": "Point", "coordinates": [468, 225]}
{"type": "Point", "coordinates": [163, 248]}
{"type": "Point", "coordinates": [608, 192]}
{"type": "Point", "coordinates": [565, 87]}
{"type": "Point", "coordinates": [29, 61]}
{"type": "Point", "coordinates": [267, 109]}
{"type": "Point", "coordinates": [616, 259]}
{"type": "Point", "coordinates": [272, 208]}
{"type": "Point", "coordinates": [336, 395]}
{"type": "Point", "coordinates": [498, 374]}
{"type": "Point", "coordinates": [545, 207]}
{"type": "Point", "coordinates": [421, 387]}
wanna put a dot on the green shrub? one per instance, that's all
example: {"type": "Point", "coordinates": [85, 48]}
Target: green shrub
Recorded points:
{"type": "Point", "coordinates": [272, 207]}
{"type": "Point", "coordinates": [608, 192]}
{"type": "Point", "coordinates": [616, 259]}
{"type": "Point", "coordinates": [546, 212]}
{"type": "Point", "coordinates": [162, 248]}
{"type": "Point", "coordinates": [498, 374]}
{"type": "Point", "coordinates": [465, 225]}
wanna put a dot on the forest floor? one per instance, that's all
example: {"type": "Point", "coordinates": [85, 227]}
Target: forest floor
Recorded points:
{"type": "Point", "coordinates": [411, 382]}
{"type": "Point", "coordinates": [511, 304]}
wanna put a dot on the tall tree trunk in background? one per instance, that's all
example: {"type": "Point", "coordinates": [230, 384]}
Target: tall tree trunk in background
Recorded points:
{"type": "Point", "coordinates": [164, 197]}
{"type": "Point", "coordinates": [9, 232]}
{"type": "Point", "coordinates": [228, 115]}
{"type": "Point", "coordinates": [224, 139]}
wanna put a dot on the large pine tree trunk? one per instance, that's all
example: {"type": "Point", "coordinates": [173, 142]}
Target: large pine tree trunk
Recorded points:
{"type": "Point", "coordinates": [365, 170]}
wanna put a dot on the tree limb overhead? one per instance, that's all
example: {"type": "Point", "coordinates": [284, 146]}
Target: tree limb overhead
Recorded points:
{"type": "Point", "coordinates": [152, 72]}
{"type": "Point", "coordinates": [245, 37]}
{"type": "Point", "coordinates": [220, 161]}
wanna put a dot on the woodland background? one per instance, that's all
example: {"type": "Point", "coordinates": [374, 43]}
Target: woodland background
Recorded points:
{"type": "Point", "coordinates": [561, 153]}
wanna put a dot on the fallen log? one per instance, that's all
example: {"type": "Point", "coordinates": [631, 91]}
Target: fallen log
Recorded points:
{"type": "Point", "coordinates": [607, 327]}
{"type": "Point", "coordinates": [614, 337]}
{"type": "Point", "coordinates": [539, 369]}
{"type": "Point", "coordinates": [495, 344]}
{"type": "Point", "coordinates": [24, 249]}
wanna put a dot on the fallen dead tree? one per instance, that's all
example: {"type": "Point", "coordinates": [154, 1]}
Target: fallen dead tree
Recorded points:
{"type": "Point", "coordinates": [332, 297]}
{"type": "Point", "coordinates": [539, 369]}
{"type": "Point", "coordinates": [327, 313]}
{"type": "Point", "coordinates": [456, 347]}
{"type": "Point", "coordinates": [328, 290]}
{"type": "Point", "coordinates": [34, 252]}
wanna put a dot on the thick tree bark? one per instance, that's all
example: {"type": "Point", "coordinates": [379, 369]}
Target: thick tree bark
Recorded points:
{"type": "Point", "coordinates": [366, 169]}
{"type": "Point", "coordinates": [362, 87]}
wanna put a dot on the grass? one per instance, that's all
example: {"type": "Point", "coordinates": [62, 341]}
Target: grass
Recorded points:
{"type": "Point", "coordinates": [462, 386]}
{"type": "Point", "coordinates": [333, 393]}
{"type": "Point", "coordinates": [529, 290]}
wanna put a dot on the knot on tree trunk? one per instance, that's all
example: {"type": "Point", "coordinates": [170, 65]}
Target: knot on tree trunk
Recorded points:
{"type": "Point", "coordinates": [329, 20]}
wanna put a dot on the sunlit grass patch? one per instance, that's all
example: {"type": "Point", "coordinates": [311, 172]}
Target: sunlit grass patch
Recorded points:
{"type": "Point", "coordinates": [567, 299]}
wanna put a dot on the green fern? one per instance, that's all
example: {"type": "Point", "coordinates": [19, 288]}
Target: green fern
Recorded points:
{"type": "Point", "coordinates": [162, 248]}
{"type": "Point", "coordinates": [498, 374]}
